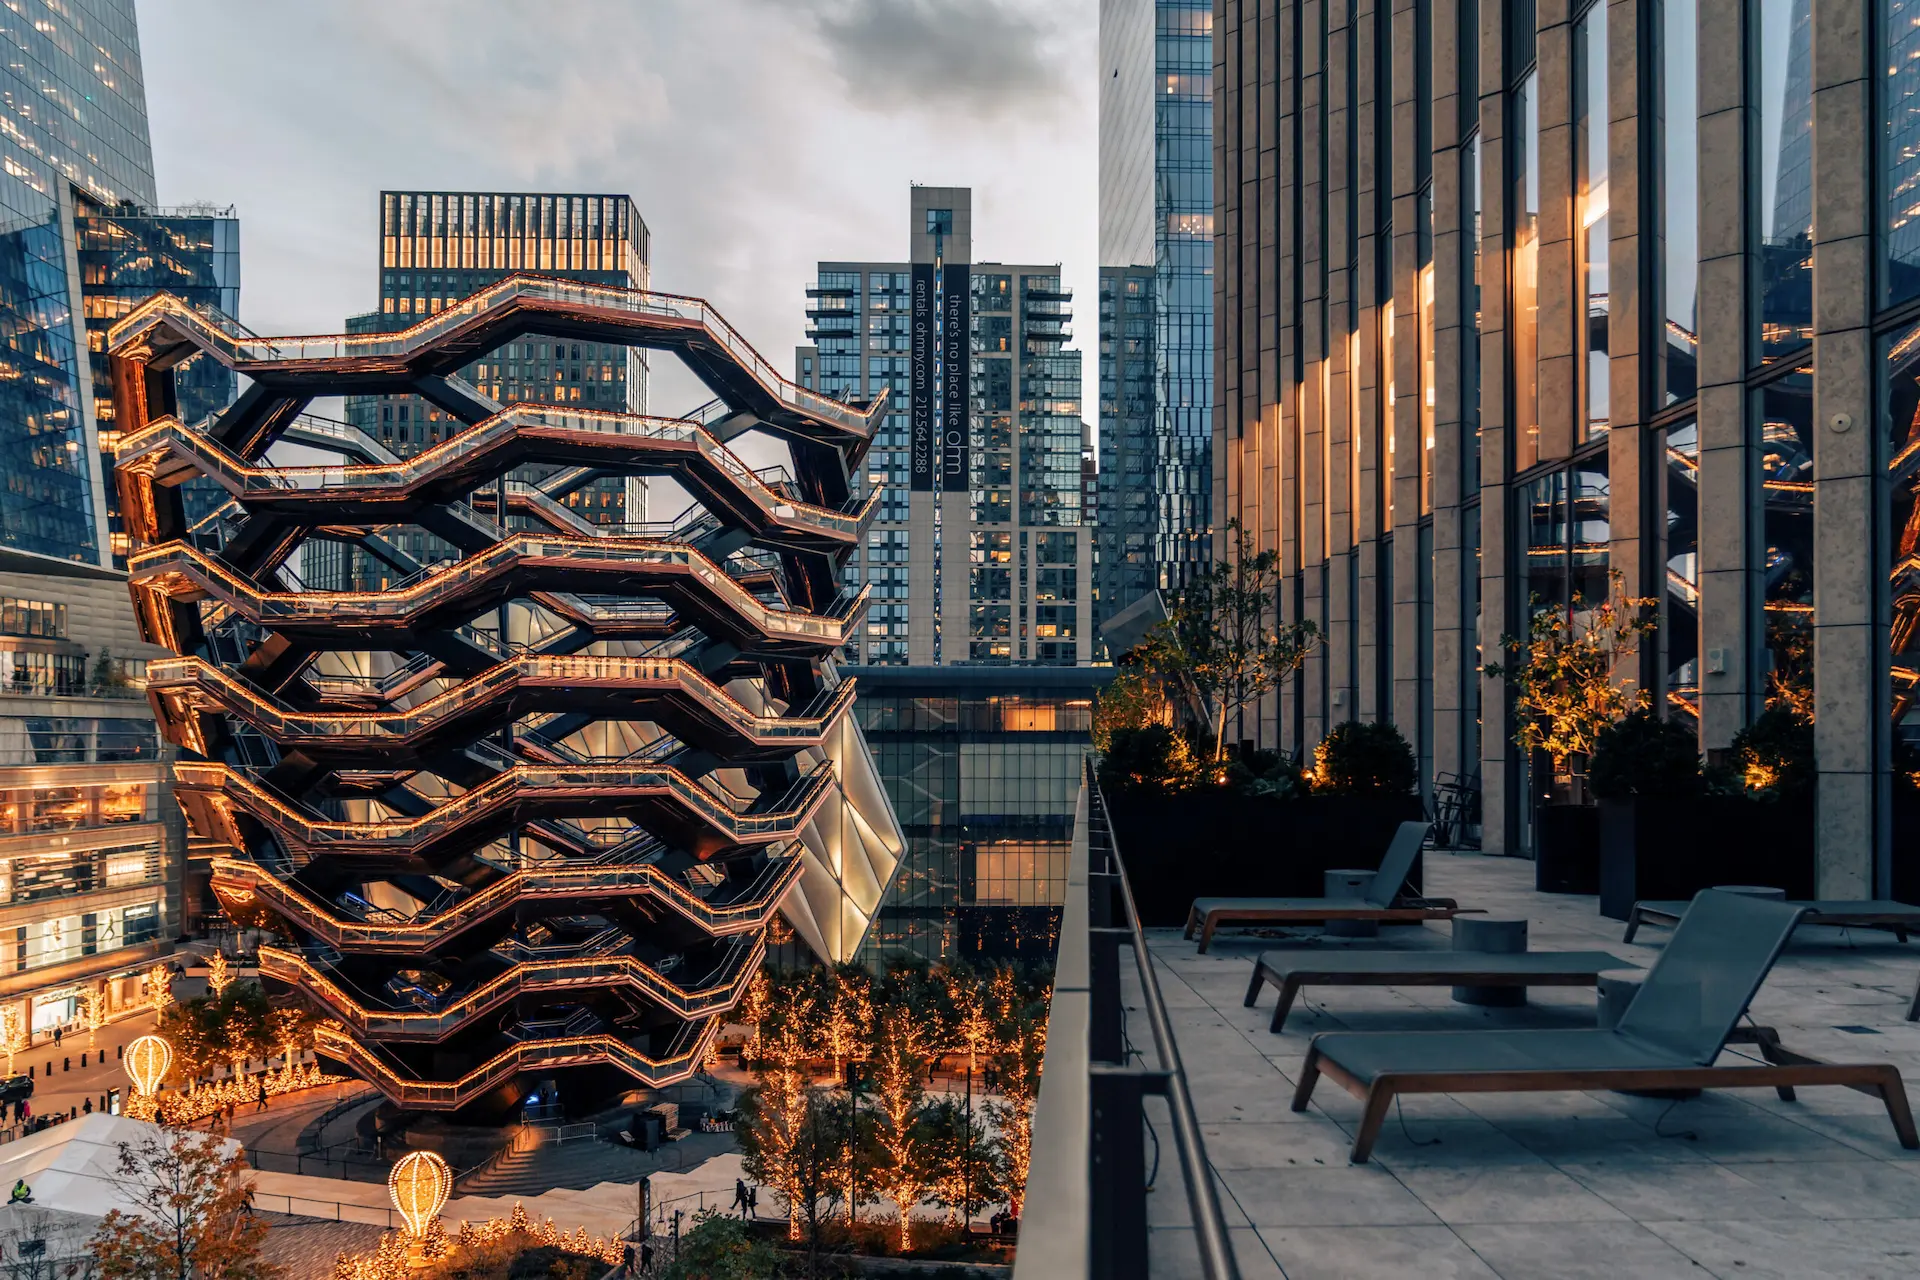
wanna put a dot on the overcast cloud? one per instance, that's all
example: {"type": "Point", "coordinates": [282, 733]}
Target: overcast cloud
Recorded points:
{"type": "Point", "coordinates": [755, 136]}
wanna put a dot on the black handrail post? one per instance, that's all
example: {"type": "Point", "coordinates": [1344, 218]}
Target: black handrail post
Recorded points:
{"type": "Point", "coordinates": [1118, 1176]}
{"type": "Point", "coordinates": [1106, 1029]}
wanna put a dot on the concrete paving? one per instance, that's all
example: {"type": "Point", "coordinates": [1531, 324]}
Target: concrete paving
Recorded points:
{"type": "Point", "coordinates": [1526, 1186]}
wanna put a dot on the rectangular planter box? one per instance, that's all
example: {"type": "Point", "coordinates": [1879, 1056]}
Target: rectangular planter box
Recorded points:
{"type": "Point", "coordinates": [1664, 847]}
{"type": "Point", "coordinates": [1568, 857]}
{"type": "Point", "coordinates": [1181, 847]}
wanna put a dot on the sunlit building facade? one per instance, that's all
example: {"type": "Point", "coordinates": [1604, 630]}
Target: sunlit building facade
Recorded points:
{"type": "Point", "coordinates": [1571, 296]}
{"type": "Point", "coordinates": [1156, 296]}
{"type": "Point", "coordinates": [979, 551]}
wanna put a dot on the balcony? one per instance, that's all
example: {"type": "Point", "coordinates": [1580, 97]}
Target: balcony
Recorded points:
{"type": "Point", "coordinates": [1485, 1185]}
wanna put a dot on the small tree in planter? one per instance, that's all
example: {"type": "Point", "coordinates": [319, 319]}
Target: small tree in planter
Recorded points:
{"type": "Point", "coordinates": [1217, 644]}
{"type": "Point", "coordinates": [1566, 675]}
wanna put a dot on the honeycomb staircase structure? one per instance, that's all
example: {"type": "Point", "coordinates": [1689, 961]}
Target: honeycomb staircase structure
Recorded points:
{"type": "Point", "coordinates": [525, 813]}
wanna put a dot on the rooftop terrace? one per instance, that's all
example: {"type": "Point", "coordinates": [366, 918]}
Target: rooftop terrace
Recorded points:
{"type": "Point", "coordinates": [1516, 1186]}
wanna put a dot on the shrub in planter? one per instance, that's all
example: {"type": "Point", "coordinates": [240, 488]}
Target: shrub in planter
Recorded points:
{"type": "Point", "coordinates": [1359, 758]}
{"type": "Point", "coordinates": [1151, 758]}
{"type": "Point", "coordinates": [1773, 756]}
{"type": "Point", "coordinates": [1750, 822]}
{"type": "Point", "coordinates": [1265, 773]}
{"type": "Point", "coordinates": [1642, 755]}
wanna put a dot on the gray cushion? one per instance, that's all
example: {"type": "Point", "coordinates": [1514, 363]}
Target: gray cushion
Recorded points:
{"type": "Point", "coordinates": [1396, 865]}
{"type": "Point", "coordinates": [1718, 956]}
{"type": "Point", "coordinates": [1366, 1054]}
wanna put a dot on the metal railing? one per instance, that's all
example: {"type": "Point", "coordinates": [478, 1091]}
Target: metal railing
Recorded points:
{"type": "Point", "coordinates": [1085, 1216]}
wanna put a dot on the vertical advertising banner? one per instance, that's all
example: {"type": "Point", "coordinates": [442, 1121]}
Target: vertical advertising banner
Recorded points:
{"type": "Point", "coordinates": [956, 355]}
{"type": "Point", "coordinates": [921, 480]}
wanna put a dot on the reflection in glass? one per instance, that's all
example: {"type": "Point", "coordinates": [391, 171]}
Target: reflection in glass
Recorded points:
{"type": "Point", "coordinates": [1900, 392]}
{"type": "Point", "coordinates": [1783, 445]}
{"type": "Point", "coordinates": [1386, 414]}
{"type": "Point", "coordinates": [1678, 137]}
{"type": "Point", "coordinates": [1424, 286]}
{"type": "Point", "coordinates": [1785, 251]}
{"type": "Point", "coordinates": [1470, 307]}
{"type": "Point", "coordinates": [1680, 631]}
{"type": "Point", "coordinates": [1590, 177]}
{"type": "Point", "coordinates": [1526, 273]}
{"type": "Point", "coordinates": [1900, 150]}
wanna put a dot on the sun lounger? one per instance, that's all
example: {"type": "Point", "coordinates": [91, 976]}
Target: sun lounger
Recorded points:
{"type": "Point", "coordinates": [1668, 1038]}
{"type": "Point", "coordinates": [1869, 913]}
{"type": "Point", "coordinates": [1380, 902]}
{"type": "Point", "coordinates": [1289, 973]}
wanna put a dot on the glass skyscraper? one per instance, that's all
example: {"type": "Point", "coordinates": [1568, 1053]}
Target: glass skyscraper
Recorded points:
{"type": "Point", "coordinates": [75, 122]}
{"type": "Point", "coordinates": [126, 254]}
{"type": "Point", "coordinates": [1156, 254]}
{"type": "Point", "coordinates": [93, 879]}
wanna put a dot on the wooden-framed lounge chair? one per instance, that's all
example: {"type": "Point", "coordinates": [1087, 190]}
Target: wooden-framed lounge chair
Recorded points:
{"type": "Point", "coordinates": [1668, 1038]}
{"type": "Point", "coordinates": [1900, 918]}
{"type": "Point", "coordinates": [1379, 902]}
{"type": "Point", "coordinates": [1288, 973]}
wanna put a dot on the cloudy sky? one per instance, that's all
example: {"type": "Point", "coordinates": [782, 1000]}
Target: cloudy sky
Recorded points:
{"type": "Point", "coordinates": [756, 136]}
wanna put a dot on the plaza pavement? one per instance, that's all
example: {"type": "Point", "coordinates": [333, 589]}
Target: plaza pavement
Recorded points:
{"type": "Point", "coordinates": [1558, 1186]}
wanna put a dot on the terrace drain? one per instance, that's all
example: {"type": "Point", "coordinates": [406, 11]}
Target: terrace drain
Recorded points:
{"type": "Point", "coordinates": [1859, 1031]}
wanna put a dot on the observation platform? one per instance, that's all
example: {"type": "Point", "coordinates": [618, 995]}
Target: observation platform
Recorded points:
{"type": "Point", "coordinates": [1531, 1186]}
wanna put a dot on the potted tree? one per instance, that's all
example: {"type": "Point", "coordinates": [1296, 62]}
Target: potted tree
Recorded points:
{"type": "Point", "coordinates": [1568, 684]}
{"type": "Point", "coordinates": [1195, 815]}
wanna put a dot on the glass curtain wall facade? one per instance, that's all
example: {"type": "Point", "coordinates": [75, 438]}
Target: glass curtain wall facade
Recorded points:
{"type": "Point", "coordinates": [76, 122]}
{"type": "Point", "coordinates": [437, 247]}
{"type": "Point", "coordinates": [1658, 395]}
{"type": "Point", "coordinates": [126, 254]}
{"type": "Point", "coordinates": [980, 549]}
{"type": "Point", "coordinates": [91, 843]}
{"type": "Point", "coordinates": [983, 771]}
{"type": "Point", "coordinates": [1157, 213]}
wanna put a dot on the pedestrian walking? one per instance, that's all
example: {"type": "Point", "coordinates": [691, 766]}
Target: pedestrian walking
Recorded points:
{"type": "Point", "coordinates": [86, 1108]}
{"type": "Point", "coordinates": [56, 1033]}
{"type": "Point", "coordinates": [260, 1102]}
{"type": "Point", "coordinates": [753, 1201]}
{"type": "Point", "coordinates": [646, 1257]}
{"type": "Point", "coordinates": [739, 1197]}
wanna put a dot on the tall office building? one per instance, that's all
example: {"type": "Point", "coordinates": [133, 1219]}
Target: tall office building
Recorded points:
{"type": "Point", "coordinates": [126, 254]}
{"type": "Point", "coordinates": [91, 844]}
{"type": "Point", "coordinates": [1584, 314]}
{"type": "Point", "coordinates": [1156, 297]}
{"type": "Point", "coordinates": [437, 247]}
{"type": "Point", "coordinates": [978, 552]}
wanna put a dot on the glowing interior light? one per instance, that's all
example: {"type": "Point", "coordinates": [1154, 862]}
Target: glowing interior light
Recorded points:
{"type": "Point", "coordinates": [419, 1185]}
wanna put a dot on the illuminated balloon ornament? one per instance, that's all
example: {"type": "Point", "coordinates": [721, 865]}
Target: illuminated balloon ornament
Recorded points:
{"type": "Point", "coordinates": [147, 1061]}
{"type": "Point", "coordinates": [419, 1185]}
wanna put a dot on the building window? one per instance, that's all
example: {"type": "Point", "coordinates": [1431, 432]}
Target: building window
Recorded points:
{"type": "Point", "coordinates": [1784, 255]}
{"type": "Point", "coordinates": [1470, 319]}
{"type": "Point", "coordinates": [1525, 123]}
{"type": "Point", "coordinates": [1678, 141]}
{"type": "Point", "coordinates": [1590, 187]}
{"type": "Point", "coordinates": [1900, 394]}
{"type": "Point", "coordinates": [1900, 151]}
{"type": "Point", "coordinates": [1783, 449]}
{"type": "Point", "coordinates": [1679, 632]}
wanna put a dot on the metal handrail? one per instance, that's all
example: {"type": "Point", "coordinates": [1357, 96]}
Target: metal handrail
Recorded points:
{"type": "Point", "coordinates": [1085, 1213]}
{"type": "Point", "coordinates": [1209, 1224]}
